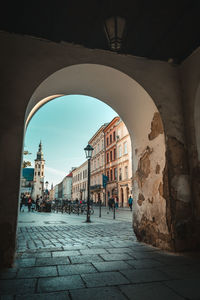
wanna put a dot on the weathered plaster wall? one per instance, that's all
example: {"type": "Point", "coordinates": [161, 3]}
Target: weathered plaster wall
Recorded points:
{"type": "Point", "coordinates": [190, 80]}
{"type": "Point", "coordinates": [26, 62]}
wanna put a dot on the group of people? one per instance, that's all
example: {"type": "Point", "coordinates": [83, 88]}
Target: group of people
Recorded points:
{"type": "Point", "coordinates": [27, 201]}
{"type": "Point", "coordinates": [113, 202]}
{"type": "Point", "coordinates": [39, 204]}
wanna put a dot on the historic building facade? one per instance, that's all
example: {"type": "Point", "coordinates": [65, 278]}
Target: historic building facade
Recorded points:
{"type": "Point", "coordinates": [111, 158]}
{"type": "Point", "coordinates": [67, 187]}
{"type": "Point", "coordinates": [79, 182]}
{"type": "Point", "coordinates": [124, 163]}
{"type": "Point", "coordinates": [97, 165]}
{"type": "Point", "coordinates": [38, 187]}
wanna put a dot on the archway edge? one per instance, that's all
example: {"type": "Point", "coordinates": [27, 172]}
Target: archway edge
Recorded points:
{"type": "Point", "coordinates": [99, 81]}
{"type": "Point", "coordinates": [137, 109]}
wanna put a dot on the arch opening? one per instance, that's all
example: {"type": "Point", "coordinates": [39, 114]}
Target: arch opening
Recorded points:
{"type": "Point", "coordinates": [143, 121]}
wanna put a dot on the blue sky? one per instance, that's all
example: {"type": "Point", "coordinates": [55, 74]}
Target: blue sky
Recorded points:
{"type": "Point", "coordinates": [64, 126]}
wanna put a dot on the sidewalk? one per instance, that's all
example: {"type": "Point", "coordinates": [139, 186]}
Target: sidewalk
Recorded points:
{"type": "Point", "coordinates": [62, 257]}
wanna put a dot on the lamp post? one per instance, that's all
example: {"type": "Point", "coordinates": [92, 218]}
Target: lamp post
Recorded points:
{"type": "Point", "coordinates": [114, 28]}
{"type": "Point", "coordinates": [88, 152]}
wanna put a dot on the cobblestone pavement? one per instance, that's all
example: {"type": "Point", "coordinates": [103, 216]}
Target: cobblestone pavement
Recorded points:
{"type": "Point", "coordinates": [62, 257]}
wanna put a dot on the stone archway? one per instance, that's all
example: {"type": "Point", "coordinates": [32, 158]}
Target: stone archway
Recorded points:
{"type": "Point", "coordinates": [143, 121]}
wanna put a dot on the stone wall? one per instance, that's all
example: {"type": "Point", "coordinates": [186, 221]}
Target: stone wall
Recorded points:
{"type": "Point", "coordinates": [29, 67]}
{"type": "Point", "coordinates": [190, 81]}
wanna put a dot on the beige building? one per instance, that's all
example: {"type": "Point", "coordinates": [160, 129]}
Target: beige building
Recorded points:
{"type": "Point", "coordinates": [124, 161]}
{"type": "Point", "coordinates": [38, 187]}
{"type": "Point", "coordinates": [97, 165]}
{"type": "Point", "coordinates": [79, 182]}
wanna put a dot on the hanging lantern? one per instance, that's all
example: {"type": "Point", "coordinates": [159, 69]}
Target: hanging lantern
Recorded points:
{"type": "Point", "coordinates": [114, 28]}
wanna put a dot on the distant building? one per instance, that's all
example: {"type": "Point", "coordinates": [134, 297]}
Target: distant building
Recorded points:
{"type": "Point", "coordinates": [51, 193]}
{"type": "Point", "coordinates": [97, 165]}
{"type": "Point", "coordinates": [27, 181]}
{"type": "Point", "coordinates": [38, 187]}
{"type": "Point", "coordinates": [124, 163]}
{"type": "Point", "coordinates": [67, 187]}
{"type": "Point", "coordinates": [79, 182]}
{"type": "Point", "coordinates": [111, 158]}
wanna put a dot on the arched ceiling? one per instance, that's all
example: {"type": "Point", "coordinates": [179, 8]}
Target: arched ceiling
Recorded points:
{"type": "Point", "coordinates": [155, 29]}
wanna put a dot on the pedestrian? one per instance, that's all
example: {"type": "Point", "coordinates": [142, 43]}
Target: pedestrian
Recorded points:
{"type": "Point", "coordinates": [29, 203]}
{"type": "Point", "coordinates": [22, 203]}
{"type": "Point", "coordinates": [130, 202]}
{"type": "Point", "coordinates": [110, 203]}
{"type": "Point", "coordinates": [32, 205]}
{"type": "Point", "coordinates": [116, 202]}
{"type": "Point", "coordinates": [37, 202]}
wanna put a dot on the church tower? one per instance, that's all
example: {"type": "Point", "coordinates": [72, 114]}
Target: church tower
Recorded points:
{"type": "Point", "coordinates": [39, 174]}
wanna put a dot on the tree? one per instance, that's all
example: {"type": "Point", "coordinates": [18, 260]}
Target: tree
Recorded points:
{"type": "Point", "coordinates": [26, 163]}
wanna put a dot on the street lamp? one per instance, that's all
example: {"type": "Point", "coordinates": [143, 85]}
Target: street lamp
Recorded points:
{"type": "Point", "coordinates": [88, 152]}
{"type": "Point", "coordinates": [114, 28]}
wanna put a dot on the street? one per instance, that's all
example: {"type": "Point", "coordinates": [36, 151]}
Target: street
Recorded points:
{"type": "Point", "coordinates": [60, 256]}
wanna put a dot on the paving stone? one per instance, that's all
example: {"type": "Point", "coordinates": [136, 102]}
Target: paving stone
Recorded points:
{"type": "Point", "coordinates": [75, 247]}
{"type": "Point", "coordinates": [149, 291]}
{"type": "Point", "coordinates": [182, 271]}
{"type": "Point", "coordinates": [137, 276]}
{"type": "Point", "coordinates": [17, 286]}
{"type": "Point", "coordinates": [188, 288]}
{"type": "Point", "coordinates": [52, 261]}
{"type": "Point", "coordinates": [25, 262]}
{"type": "Point", "coordinates": [62, 283]}
{"type": "Point", "coordinates": [85, 259]}
{"type": "Point", "coordinates": [111, 266]}
{"type": "Point", "coordinates": [37, 272]}
{"type": "Point", "coordinates": [116, 256]}
{"type": "Point", "coordinates": [94, 251]}
{"type": "Point", "coordinates": [145, 263]}
{"type": "Point", "coordinates": [106, 293]}
{"type": "Point", "coordinates": [66, 253]}
{"type": "Point", "coordinates": [104, 279]}
{"type": "Point", "coordinates": [48, 296]}
{"type": "Point", "coordinates": [118, 250]}
{"type": "Point", "coordinates": [76, 269]}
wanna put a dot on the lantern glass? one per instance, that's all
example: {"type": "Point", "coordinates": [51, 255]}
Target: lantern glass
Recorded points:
{"type": "Point", "coordinates": [88, 151]}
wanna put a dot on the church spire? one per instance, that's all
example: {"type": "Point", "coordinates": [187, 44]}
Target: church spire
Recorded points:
{"type": "Point", "coordinates": [40, 153]}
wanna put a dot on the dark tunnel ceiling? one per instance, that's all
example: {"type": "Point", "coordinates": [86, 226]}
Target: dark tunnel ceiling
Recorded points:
{"type": "Point", "coordinates": [155, 29]}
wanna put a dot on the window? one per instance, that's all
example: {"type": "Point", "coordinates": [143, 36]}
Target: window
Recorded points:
{"type": "Point", "coordinates": [107, 157]}
{"type": "Point", "coordinates": [114, 153]}
{"type": "Point", "coordinates": [114, 136]}
{"type": "Point", "coordinates": [120, 174]}
{"type": "Point", "coordinates": [125, 148]}
{"type": "Point", "coordinates": [111, 175]}
{"type": "Point", "coordinates": [111, 138]}
{"type": "Point", "coordinates": [107, 141]}
{"type": "Point", "coordinates": [38, 173]}
{"type": "Point", "coordinates": [115, 173]}
{"type": "Point", "coordinates": [126, 172]}
{"type": "Point", "coordinates": [39, 166]}
{"type": "Point", "coordinates": [110, 155]}
{"type": "Point", "coordinates": [42, 173]}
{"type": "Point", "coordinates": [108, 175]}
{"type": "Point", "coordinates": [120, 151]}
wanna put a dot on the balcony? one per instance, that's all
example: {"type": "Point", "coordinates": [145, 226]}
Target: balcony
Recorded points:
{"type": "Point", "coordinates": [95, 187]}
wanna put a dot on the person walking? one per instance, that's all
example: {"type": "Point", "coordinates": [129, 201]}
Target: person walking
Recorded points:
{"type": "Point", "coordinates": [130, 202]}
{"type": "Point", "coordinates": [29, 203]}
{"type": "Point", "coordinates": [22, 203]}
